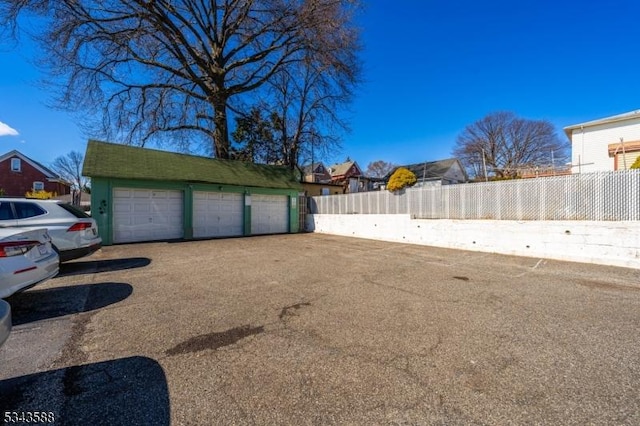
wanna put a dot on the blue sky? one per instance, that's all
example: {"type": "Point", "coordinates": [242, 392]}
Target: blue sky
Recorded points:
{"type": "Point", "coordinates": [430, 69]}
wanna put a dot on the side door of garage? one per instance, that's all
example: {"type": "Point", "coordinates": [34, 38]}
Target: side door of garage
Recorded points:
{"type": "Point", "coordinates": [269, 214]}
{"type": "Point", "coordinates": [218, 214]}
{"type": "Point", "coordinates": [147, 214]}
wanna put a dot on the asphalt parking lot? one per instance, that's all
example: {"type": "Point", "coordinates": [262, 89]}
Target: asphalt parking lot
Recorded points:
{"type": "Point", "coordinates": [317, 329]}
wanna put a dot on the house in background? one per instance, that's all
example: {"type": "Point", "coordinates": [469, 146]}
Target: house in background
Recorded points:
{"type": "Point", "coordinates": [436, 173]}
{"type": "Point", "coordinates": [349, 175]}
{"type": "Point", "coordinates": [79, 199]}
{"type": "Point", "coordinates": [20, 174]}
{"type": "Point", "coordinates": [316, 173]}
{"type": "Point", "coordinates": [543, 171]}
{"type": "Point", "coordinates": [611, 143]}
{"type": "Point", "coordinates": [312, 189]}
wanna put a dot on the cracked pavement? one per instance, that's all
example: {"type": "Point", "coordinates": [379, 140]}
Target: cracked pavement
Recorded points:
{"type": "Point", "coordinates": [319, 329]}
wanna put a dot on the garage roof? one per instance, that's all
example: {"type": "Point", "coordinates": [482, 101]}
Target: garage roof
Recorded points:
{"type": "Point", "coordinates": [109, 160]}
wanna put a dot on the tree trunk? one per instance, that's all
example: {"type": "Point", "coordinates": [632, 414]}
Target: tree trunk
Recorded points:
{"type": "Point", "coordinates": [293, 156]}
{"type": "Point", "coordinates": [221, 131]}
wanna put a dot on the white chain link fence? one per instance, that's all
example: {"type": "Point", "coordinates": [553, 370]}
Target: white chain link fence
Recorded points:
{"type": "Point", "coordinates": [613, 196]}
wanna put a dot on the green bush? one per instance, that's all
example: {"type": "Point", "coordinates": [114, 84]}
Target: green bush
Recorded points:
{"type": "Point", "coordinates": [401, 178]}
{"type": "Point", "coordinates": [636, 164]}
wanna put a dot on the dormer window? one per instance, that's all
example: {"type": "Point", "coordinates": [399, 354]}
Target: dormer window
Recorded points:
{"type": "Point", "coordinates": [16, 165]}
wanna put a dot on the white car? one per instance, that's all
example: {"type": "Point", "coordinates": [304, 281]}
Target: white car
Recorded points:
{"type": "Point", "coordinates": [26, 259]}
{"type": "Point", "coordinates": [5, 321]}
{"type": "Point", "coordinates": [73, 233]}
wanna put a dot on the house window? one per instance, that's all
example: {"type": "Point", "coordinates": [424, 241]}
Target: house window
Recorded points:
{"type": "Point", "coordinates": [38, 186]}
{"type": "Point", "coordinates": [15, 165]}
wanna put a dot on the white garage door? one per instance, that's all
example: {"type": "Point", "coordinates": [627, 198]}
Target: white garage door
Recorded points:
{"type": "Point", "coordinates": [217, 214]}
{"type": "Point", "coordinates": [146, 215]}
{"type": "Point", "coordinates": [269, 214]}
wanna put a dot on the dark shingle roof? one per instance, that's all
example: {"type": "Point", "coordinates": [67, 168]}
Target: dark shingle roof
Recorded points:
{"type": "Point", "coordinates": [110, 160]}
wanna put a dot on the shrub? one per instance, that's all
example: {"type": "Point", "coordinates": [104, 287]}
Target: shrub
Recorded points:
{"type": "Point", "coordinates": [40, 195]}
{"type": "Point", "coordinates": [636, 164]}
{"type": "Point", "coordinates": [401, 178]}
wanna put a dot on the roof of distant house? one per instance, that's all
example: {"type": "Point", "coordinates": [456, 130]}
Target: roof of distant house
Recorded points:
{"type": "Point", "coordinates": [341, 169]}
{"type": "Point", "coordinates": [109, 160]}
{"type": "Point", "coordinates": [613, 119]}
{"type": "Point", "coordinates": [43, 169]}
{"type": "Point", "coordinates": [430, 169]}
{"type": "Point", "coordinates": [309, 168]}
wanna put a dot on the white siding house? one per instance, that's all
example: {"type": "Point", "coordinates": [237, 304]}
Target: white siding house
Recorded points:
{"type": "Point", "coordinates": [611, 143]}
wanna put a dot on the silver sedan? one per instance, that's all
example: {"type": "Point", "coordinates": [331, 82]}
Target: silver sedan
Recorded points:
{"type": "Point", "coordinates": [26, 259]}
{"type": "Point", "coordinates": [5, 321]}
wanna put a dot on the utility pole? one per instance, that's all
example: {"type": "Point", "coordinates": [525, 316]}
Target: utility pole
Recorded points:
{"type": "Point", "coordinates": [484, 166]}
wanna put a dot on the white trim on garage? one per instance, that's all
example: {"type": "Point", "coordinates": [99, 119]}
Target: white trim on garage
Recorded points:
{"type": "Point", "coordinates": [218, 214]}
{"type": "Point", "coordinates": [147, 214]}
{"type": "Point", "coordinates": [269, 214]}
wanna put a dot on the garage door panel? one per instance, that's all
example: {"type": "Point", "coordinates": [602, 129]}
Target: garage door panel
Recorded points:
{"type": "Point", "coordinates": [121, 193]}
{"type": "Point", "coordinates": [217, 214]}
{"type": "Point", "coordinates": [269, 214]}
{"type": "Point", "coordinates": [145, 215]}
{"type": "Point", "coordinates": [120, 208]}
{"type": "Point", "coordinates": [137, 220]}
{"type": "Point", "coordinates": [138, 193]}
{"type": "Point", "coordinates": [140, 208]}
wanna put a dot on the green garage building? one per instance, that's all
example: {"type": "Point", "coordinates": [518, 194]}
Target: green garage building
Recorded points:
{"type": "Point", "coordinates": [140, 194]}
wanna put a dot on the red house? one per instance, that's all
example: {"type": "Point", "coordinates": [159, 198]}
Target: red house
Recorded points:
{"type": "Point", "coordinates": [20, 174]}
{"type": "Point", "coordinates": [349, 175]}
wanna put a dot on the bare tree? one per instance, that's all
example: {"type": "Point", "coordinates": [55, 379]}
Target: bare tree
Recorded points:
{"type": "Point", "coordinates": [508, 143]}
{"type": "Point", "coordinates": [307, 99]}
{"type": "Point", "coordinates": [304, 100]}
{"type": "Point", "coordinates": [171, 69]}
{"type": "Point", "coordinates": [69, 167]}
{"type": "Point", "coordinates": [379, 169]}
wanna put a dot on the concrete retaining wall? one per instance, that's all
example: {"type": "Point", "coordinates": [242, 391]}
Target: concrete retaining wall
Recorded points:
{"type": "Point", "coordinates": [606, 243]}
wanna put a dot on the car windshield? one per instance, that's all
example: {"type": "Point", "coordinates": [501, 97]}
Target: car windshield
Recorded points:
{"type": "Point", "coordinates": [74, 211]}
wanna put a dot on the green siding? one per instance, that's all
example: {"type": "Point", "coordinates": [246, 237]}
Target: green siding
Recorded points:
{"type": "Point", "coordinates": [101, 207]}
{"type": "Point", "coordinates": [102, 201]}
{"type": "Point", "coordinates": [247, 214]}
{"type": "Point", "coordinates": [188, 212]}
{"type": "Point", "coordinates": [294, 223]}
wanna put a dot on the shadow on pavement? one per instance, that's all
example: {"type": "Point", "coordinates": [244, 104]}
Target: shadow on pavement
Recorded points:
{"type": "Point", "coordinates": [96, 266]}
{"type": "Point", "coordinates": [125, 391]}
{"type": "Point", "coordinates": [35, 305]}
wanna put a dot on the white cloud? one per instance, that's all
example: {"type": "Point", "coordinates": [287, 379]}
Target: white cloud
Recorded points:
{"type": "Point", "coordinates": [5, 130]}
